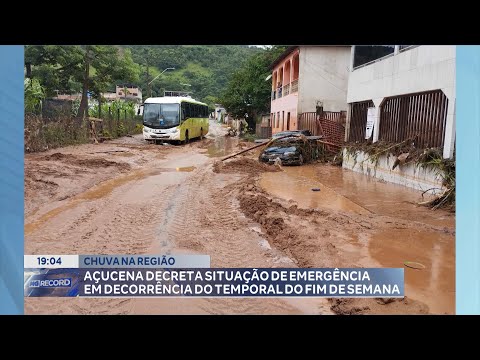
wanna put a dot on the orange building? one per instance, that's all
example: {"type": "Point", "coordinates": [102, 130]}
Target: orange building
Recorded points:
{"type": "Point", "coordinates": [304, 77]}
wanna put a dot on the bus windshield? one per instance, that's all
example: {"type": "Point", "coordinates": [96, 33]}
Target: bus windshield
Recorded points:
{"type": "Point", "coordinates": [161, 116]}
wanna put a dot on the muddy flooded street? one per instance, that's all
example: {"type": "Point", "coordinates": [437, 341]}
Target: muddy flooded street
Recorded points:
{"type": "Point", "coordinates": [347, 191]}
{"type": "Point", "coordinates": [129, 197]}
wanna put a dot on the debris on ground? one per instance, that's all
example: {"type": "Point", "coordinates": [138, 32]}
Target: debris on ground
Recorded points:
{"type": "Point", "coordinates": [414, 265]}
{"type": "Point", "coordinates": [231, 132]}
{"type": "Point", "coordinates": [400, 160]}
{"type": "Point", "coordinates": [348, 306]}
{"type": "Point", "coordinates": [242, 144]}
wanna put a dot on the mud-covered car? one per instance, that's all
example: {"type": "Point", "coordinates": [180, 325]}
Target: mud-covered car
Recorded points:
{"type": "Point", "coordinates": [294, 150]}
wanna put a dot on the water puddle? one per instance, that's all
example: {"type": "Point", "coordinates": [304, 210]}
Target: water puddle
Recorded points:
{"type": "Point", "coordinates": [108, 186]}
{"type": "Point", "coordinates": [434, 285]}
{"type": "Point", "coordinates": [123, 154]}
{"type": "Point", "coordinates": [185, 169]}
{"type": "Point", "coordinates": [350, 191]}
{"type": "Point", "coordinates": [381, 197]}
{"type": "Point", "coordinates": [296, 183]}
{"type": "Point", "coordinates": [222, 146]}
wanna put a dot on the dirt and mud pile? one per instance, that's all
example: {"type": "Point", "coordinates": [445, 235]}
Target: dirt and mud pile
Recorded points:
{"type": "Point", "coordinates": [70, 159]}
{"type": "Point", "coordinates": [315, 238]}
{"type": "Point", "coordinates": [243, 165]}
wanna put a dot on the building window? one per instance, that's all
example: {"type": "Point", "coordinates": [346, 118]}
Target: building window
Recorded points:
{"type": "Point", "coordinates": [365, 54]}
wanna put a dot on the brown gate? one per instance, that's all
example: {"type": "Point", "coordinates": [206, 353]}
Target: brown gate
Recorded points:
{"type": "Point", "coordinates": [421, 116]}
{"type": "Point", "coordinates": [358, 120]}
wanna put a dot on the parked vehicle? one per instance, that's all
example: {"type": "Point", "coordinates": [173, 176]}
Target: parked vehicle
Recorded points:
{"type": "Point", "coordinates": [286, 133]}
{"type": "Point", "coordinates": [295, 150]}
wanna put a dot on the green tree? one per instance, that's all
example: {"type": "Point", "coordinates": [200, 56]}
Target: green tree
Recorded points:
{"type": "Point", "coordinates": [109, 66]}
{"type": "Point", "coordinates": [89, 68]}
{"type": "Point", "coordinates": [57, 67]}
{"type": "Point", "coordinates": [34, 95]}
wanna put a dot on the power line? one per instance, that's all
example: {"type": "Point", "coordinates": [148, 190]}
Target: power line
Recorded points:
{"type": "Point", "coordinates": [323, 77]}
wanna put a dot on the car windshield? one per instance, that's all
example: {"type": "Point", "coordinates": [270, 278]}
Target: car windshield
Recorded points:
{"type": "Point", "coordinates": [281, 148]}
{"type": "Point", "coordinates": [288, 133]}
{"type": "Point", "coordinates": [161, 116]}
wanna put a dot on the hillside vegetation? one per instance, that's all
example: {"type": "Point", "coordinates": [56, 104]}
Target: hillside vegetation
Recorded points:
{"type": "Point", "coordinates": [206, 68]}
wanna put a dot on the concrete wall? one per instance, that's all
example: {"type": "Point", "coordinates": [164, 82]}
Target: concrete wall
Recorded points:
{"type": "Point", "coordinates": [408, 175]}
{"type": "Point", "coordinates": [284, 105]}
{"type": "Point", "coordinates": [423, 68]}
{"type": "Point", "coordinates": [323, 76]}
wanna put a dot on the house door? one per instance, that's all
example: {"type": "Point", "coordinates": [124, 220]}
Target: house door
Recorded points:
{"type": "Point", "coordinates": [288, 121]}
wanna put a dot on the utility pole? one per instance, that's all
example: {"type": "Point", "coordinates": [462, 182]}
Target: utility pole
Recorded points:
{"type": "Point", "coordinates": [148, 80]}
{"type": "Point", "coordinates": [156, 77]}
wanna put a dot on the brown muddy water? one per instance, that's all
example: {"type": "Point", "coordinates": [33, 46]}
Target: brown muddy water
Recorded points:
{"type": "Point", "coordinates": [296, 183]}
{"type": "Point", "coordinates": [434, 250]}
{"type": "Point", "coordinates": [222, 146]}
{"type": "Point", "coordinates": [344, 190]}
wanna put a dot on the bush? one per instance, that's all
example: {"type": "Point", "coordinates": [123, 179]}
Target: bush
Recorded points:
{"type": "Point", "coordinates": [43, 134]}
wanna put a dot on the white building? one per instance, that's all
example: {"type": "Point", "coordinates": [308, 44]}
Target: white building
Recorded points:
{"type": "Point", "coordinates": [411, 93]}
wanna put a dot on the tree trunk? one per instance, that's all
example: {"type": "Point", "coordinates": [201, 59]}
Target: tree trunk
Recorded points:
{"type": "Point", "coordinates": [84, 101]}
{"type": "Point", "coordinates": [29, 70]}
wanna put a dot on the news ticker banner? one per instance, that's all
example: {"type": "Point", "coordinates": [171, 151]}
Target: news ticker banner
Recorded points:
{"type": "Point", "coordinates": [191, 276]}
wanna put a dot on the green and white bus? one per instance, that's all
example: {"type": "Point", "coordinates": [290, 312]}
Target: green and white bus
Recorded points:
{"type": "Point", "coordinates": [174, 118]}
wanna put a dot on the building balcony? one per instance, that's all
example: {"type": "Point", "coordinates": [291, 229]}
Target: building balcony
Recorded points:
{"type": "Point", "coordinates": [294, 86]}
{"type": "Point", "coordinates": [285, 90]}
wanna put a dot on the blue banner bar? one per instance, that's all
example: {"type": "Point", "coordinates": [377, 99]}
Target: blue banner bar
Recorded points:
{"type": "Point", "coordinates": [11, 180]}
{"type": "Point", "coordinates": [468, 181]}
